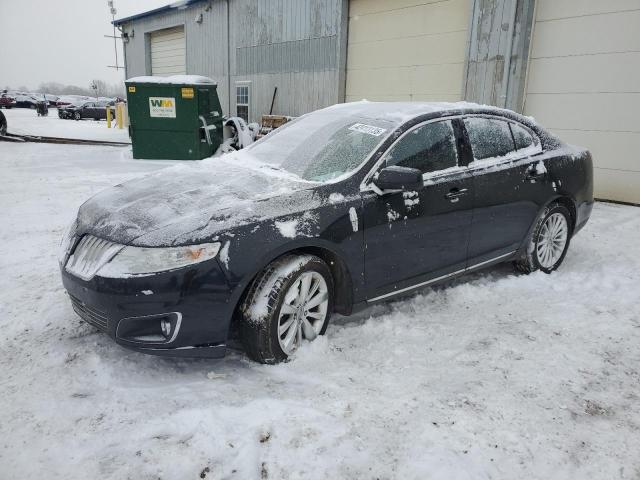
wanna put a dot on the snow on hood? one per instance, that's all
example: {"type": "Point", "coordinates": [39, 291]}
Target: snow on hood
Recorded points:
{"type": "Point", "coordinates": [192, 203]}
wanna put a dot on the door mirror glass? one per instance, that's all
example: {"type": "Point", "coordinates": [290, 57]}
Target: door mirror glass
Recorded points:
{"type": "Point", "coordinates": [398, 178]}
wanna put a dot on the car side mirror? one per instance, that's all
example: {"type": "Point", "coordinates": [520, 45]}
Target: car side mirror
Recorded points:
{"type": "Point", "coordinates": [398, 178]}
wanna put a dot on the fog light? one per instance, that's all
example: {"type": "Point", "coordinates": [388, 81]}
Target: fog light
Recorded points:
{"type": "Point", "coordinates": [160, 328]}
{"type": "Point", "coordinates": [165, 326]}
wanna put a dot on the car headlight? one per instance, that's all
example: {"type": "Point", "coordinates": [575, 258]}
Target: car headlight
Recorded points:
{"type": "Point", "coordinates": [67, 242]}
{"type": "Point", "coordinates": [131, 261]}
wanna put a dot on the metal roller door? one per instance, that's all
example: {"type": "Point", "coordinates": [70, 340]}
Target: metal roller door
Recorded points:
{"type": "Point", "coordinates": [168, 52]}
{"type": "Point", "coordinates": [584, 85]}
{"type": "Point", "coordinates": [406, 49]}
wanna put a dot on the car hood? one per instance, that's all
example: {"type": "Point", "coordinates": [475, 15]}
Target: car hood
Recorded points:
{"type": "Point", "coordinates": [193, 203]}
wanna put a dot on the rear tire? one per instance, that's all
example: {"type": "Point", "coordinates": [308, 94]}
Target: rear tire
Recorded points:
{"type": "Point", "coordinates": [549, 241]}
{"type": "Point", "coordinates": [291, 300]}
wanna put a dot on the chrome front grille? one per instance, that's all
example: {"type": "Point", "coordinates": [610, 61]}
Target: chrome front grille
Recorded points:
{"type": "Point", "coordinates": [91, 254]}
{"type": "Point", "coordinates": [90, 315]}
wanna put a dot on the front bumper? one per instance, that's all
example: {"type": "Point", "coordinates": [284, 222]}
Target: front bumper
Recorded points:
{"type": "Point", "coordinates": [199, 295]}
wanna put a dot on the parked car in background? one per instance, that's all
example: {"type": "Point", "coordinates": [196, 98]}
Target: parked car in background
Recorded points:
{"type": "Point", "coordinates": [336, 210]}
{"type": "Point", "coordinates": [52, 100]}
{"type": "Point", "coordinates": [65, 100]}
{"type": "Point", "coordinates": [26, 101]}
{"type": "Point", "coordinates": [93, 110]}
{"type": "Point", "coordinates": [66, 111]}
{"type": "Point", "coordinates": [7, 101]}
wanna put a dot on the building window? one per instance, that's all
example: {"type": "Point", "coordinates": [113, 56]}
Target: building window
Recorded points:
{"type": "Point", "coordinates": [242, 102]}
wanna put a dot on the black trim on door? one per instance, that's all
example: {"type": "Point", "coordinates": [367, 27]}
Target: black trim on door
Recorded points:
{"type": "Point", "coordinates": [465, 154]}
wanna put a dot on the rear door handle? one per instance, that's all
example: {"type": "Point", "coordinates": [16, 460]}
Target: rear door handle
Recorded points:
{"type": "Point", "coordinates": [455, 193]}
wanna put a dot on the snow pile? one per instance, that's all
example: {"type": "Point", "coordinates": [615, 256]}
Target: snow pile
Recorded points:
{"type": "Point", "coordinates": [336, 198]}
{"type": "Point", "coordinates": [540, 169]}
{"type": "Point", "coordinates": [287, 229]}
{"type": "Point", "coordinates": [495, 375]}
{"type": "Point", "coordinates": [224, 254]}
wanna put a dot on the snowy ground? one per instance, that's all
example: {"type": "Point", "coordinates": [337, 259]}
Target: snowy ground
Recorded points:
{"type": "Point", "coordinates": [24, 121]}
{"type": "Point", "coordinates": [497, 375]}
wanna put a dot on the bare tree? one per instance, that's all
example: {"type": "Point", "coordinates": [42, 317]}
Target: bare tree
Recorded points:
{"type": "Point", "coordinates": [104, 89]}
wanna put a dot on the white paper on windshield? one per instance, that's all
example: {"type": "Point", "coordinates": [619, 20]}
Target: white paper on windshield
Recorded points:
{"type": "Point", "coordinates": [368, 129]}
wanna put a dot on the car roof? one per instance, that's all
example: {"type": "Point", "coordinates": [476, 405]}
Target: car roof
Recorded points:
{"type": "Point", "coordinates": [401, 112]}
{"type": "Point", "coordinates": [408, 113]}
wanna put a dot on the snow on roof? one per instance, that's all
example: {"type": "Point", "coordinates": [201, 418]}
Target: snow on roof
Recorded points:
{"type": "Point", "coordinates": [401, 111]}
{"type": "Point", "coordinates": [174, 79]}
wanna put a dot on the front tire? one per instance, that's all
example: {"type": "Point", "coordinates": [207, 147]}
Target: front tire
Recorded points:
{"type": "Point", "coordinates": [291, 300]}
{"type": "Point", "coordinates": [77, 116]}
{"type": "Point", "coordinates": [549, 241]}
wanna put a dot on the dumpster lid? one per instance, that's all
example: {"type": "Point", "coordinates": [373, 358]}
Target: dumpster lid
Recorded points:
{"type": "Point", "coordinates": [174, 80]}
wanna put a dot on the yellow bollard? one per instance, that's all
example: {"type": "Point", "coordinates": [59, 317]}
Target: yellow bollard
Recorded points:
{"type": "Point", "coordinates": [108, 117]}
{"type": "Point", "coordinates": [119, 115]}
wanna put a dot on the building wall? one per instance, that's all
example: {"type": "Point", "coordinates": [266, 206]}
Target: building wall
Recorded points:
{"type": "Point", "coordinates": [290, 44]}
{"type": "Point", "coordinates": [406, 49]}
{"type": "Point", "coordinates": [205, 42]}
{"type": "Point", "coordinates": [584, 84]}
{"type": "Point", "coordinates": [295, 45]}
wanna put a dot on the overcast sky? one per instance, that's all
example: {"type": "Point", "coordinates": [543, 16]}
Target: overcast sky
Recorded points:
{"type": "Point", "coordinates": [61, 40]}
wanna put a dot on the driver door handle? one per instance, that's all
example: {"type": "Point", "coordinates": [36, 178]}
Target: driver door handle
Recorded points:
{"type": "Point", "coordinates": [533, 175]}
{"type": "Point", "coordinates": [455, 193]}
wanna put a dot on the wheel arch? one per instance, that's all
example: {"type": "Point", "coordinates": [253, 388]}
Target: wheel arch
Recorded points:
{"type": "Point", "coordinates": [341, 275]}
{"type": "Point", "coordinates": [570, 205]}
{"type": "Point", "coordinates": [342, 281]}
{"type": "Point", "coordinates": [563, 199]}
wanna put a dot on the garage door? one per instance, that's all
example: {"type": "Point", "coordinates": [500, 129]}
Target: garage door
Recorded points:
{"type": "Point", "coordinates": [406, 49]}
{"type": "Point", "coordinates": [584, 84]}
{"type": "Point", "coordinates": [168, 52]}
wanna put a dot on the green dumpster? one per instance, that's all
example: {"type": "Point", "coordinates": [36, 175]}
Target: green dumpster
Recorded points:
{"type": "Point", "coordinates": [176, 117]}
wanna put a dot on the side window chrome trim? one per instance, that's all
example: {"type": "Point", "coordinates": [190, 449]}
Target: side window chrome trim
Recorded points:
{"type": "Point", "coordinates": [445, 174]}
{"type": "Point", "coordinates": [365, 184]}
{"type": "Point", "coordinates": [509, 158]}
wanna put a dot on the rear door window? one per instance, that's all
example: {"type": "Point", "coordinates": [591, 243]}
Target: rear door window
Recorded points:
{"type": "Point", "coordinates": [489, 137]}
{"type": "Point", "coordinates": [429, 148]}
{"type": "Point", "coordinates": [521, 136]}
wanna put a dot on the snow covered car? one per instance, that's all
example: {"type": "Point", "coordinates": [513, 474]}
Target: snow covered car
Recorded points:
{"type": "Point", "coordinates": [78, 111]}
{"type": "Point", "coordinates": [25, 101]}
{"type": "Point", "coordinates": [336, 210]}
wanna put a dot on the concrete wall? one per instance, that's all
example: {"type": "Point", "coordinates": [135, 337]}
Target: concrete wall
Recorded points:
{"type": "Point", "coordinates": [406, 49]}
{"type": "Point", "coordinates": [584, 84]}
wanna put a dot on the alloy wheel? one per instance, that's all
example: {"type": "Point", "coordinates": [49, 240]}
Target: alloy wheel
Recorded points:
{"type": "Point", "coordinates": [552, 240]}
{"type": "Point", "coordinates": [303, 311]}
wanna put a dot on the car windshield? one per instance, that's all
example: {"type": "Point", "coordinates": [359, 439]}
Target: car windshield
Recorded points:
{"type": "Point", "coordinates": [323, 145]}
